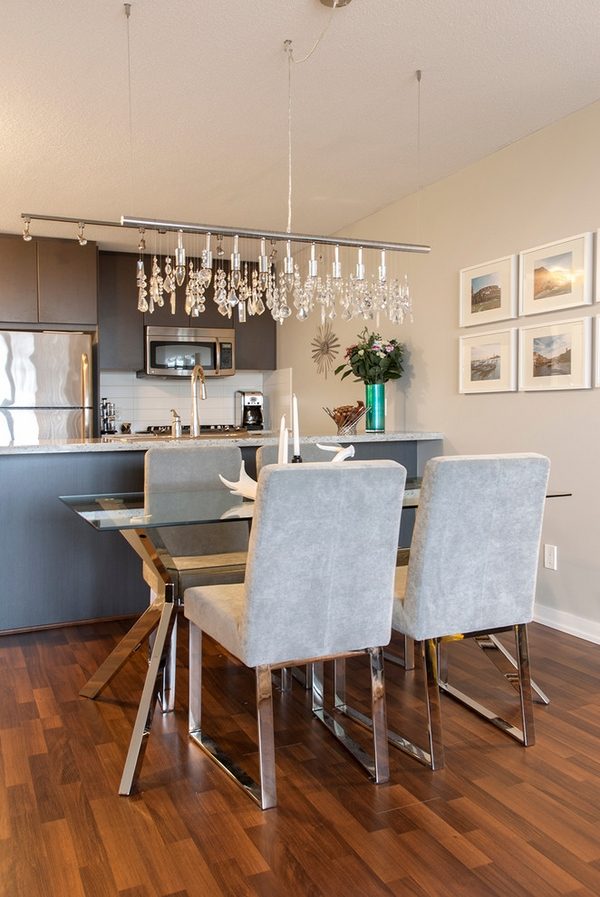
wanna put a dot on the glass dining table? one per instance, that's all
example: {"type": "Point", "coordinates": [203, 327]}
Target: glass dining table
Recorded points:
{"type": "Point", "coordinates": [137, 516]}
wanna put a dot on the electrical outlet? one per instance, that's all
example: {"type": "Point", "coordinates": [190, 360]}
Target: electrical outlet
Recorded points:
{"type": "Point", "coordinates": [551, 557]}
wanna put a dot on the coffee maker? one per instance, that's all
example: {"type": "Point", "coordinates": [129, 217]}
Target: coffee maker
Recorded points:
{"type": "Point", "coordinates": [250, 410]}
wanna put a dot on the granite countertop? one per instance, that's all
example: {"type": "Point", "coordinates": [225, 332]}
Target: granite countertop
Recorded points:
{"type": "Point", "coordinates": [141, 443]}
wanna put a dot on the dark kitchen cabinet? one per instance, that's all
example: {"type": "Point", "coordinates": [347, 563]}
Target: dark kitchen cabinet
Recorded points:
{"type": "Point", "coordinates": [255, 343]}
{"type": "Point", "coordinates": [162, 316]}
{"type": "Point", "coordinates": [48, 282]}
{"type": "Point", "coordinates": [18, 279]}
{"type": "Point", "coordinates": [67, 282]}
{"type": "Point", "coordinates": [120, 324]}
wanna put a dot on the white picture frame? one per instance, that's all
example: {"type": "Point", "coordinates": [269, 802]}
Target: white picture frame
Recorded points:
{"type": "Point", "coordinates": [488, 362]}
{"type": "Point", "coordinates": [597, 351]}
{"type": "Point", "coordinates": [556, 355]}
{"type": "Point", "coordinates": [488, 292]}
{"type": "Point", "coordinates": [556, 275]}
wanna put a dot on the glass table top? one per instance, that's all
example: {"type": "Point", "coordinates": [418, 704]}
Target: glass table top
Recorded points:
{"type": "Point", "coordinates": [133, 510]}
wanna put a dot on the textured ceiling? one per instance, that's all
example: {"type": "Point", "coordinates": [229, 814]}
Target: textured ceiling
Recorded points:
{"type": "Point", "coordinates": [209, 103]}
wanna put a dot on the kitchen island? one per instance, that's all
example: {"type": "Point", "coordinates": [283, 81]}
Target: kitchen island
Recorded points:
{"type": "Point", "coordinates": [56, 570]}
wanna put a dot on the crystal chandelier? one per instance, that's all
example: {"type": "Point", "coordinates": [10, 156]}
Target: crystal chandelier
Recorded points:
{"type": "Point", "coordinates": [359, 288]}
{"type": "Point", "coordinates": [296, 275]}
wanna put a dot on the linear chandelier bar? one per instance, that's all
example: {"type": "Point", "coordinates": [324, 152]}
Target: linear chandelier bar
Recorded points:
{"type": "Point", "coordinates": [228, 231]}
{"type": "Point", "coordinates": [31, 216]}
{"type": "Point", "coordinates": [242, 232]}
{"type": "Point", "coordinates": [363, 289]}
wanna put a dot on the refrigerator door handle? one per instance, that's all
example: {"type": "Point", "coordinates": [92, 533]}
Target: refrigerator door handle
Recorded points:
{"type": "Point", "coordinates": [86, 399]}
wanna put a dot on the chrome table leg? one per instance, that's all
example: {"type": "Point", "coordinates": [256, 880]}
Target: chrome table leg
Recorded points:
{"type": "Point", "coordinates": [150, 696]}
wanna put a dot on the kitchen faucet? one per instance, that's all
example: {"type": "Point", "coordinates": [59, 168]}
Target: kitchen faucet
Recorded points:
{"type": "Point", "coordinates": [197, 374]}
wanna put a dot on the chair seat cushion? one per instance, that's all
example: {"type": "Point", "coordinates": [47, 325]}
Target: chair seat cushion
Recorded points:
{"type": "Point", "coordinates": [218, 610]}
{"type": "Point", "coordinates": [202, 561]}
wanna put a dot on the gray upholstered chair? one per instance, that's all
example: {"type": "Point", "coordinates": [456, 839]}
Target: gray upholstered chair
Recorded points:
{"type": "Point", "coordinates": [197, 555]}
{"type": "Point", "coordinates": [267, 454]}
{"type": "Point", "coordinates": [319, 584]}
{"type": "Point", "coordinates": [193, 555]}
{"type": "Point", "coordinates": [472, 572]}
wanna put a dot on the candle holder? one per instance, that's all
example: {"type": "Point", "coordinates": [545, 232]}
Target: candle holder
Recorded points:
{"type": "Point", "coordinates": [296, 459]}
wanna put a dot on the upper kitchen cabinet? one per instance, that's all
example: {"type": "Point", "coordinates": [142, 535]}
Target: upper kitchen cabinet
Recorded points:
{"type": "Point", "coordinates": [255, 343]}
{"type": "Point", "coordinates": [47, 282]}
{"type": "Point", "coordinates": [120, 324]}
{"type": "Point", "coordinates": [18, 280]}
{"type": "Point", "coordinates": [67, 282]}
{"type": "Point", "coordinates": [162, 315]}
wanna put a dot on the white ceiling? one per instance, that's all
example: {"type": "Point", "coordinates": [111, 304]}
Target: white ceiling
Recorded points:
{"type": "Point", "coordinates": [209, 103]}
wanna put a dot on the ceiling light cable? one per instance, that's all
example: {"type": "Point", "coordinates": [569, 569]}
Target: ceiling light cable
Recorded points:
{"type": "Point", "coordinates": [334, 6]}
{"type": "Point", "coordinates": [290, 55]}
{"type": "Point", "coordinates": [130, 105]}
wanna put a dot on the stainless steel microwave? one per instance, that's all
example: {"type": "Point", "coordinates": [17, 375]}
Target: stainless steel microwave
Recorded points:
{"type": "Point", "coordinates": [173, 351]}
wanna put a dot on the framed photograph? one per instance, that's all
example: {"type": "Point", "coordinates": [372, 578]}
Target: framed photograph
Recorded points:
{"type": "Point", "coordinates": [597, 352]}
{"type": "Point", "coordinates": [556, 355]}
{"type": "Point", "coordinates": [488, 362]}
{"type": "Point", "coordinates": [488, 292]}
{"type": "Point", "coordinates": [557, 275]}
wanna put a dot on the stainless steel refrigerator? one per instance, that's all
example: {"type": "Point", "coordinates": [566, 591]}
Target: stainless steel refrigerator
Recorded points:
{"type": "Point", "coordinates": [45, 386]}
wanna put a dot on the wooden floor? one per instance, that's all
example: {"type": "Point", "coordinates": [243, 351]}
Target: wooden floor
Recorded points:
{"type": "Point", "coordinates": [498, 820]}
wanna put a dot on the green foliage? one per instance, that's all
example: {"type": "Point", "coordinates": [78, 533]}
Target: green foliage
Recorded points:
{"type": "Point", "coordinates": [373, 359]}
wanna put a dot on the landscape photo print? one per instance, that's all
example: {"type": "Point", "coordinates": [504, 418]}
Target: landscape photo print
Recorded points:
{"type": "Point", "coordinates": [556, 356]}
{"type": "Point", "coordinates": [556, 275]}
{"type": "Point", "coordinates": [488, 292]}
{"type": "Point", "coordinates": [487, 362]}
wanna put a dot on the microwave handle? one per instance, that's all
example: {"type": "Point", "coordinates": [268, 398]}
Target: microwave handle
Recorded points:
{"type": "Point", "coordinates": [218, 356]}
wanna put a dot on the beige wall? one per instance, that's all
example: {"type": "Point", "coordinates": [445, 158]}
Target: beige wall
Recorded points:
{"type": "Point", "coordinates": [543, 188]}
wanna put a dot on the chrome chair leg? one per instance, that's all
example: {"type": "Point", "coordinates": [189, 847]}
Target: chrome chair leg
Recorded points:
{"type": "Point", "coordinates": [266, 737]}
{"type": "Point", "coordinates": [408, 655]}
{"type": "Point", "coordinates": [434, 713]}
{"type": "Point", "coordinates": [519, 678]}
{"type": "Point", "coordinates": [377, 765]}
{"type": "Point", "coordinates": [433, 757]}
{"type": "Point", "coordinates": [493, 648]}
{"type": "Point", "coordinates": [195, 679]}
{"type": "Point", "coordinates": [339, 684]}
{"type": "Point", "coordinates": [264, 793]}
{"type": "Point", "coordinates": [285, 674]}
{"type": "Point", "coordinates": [167, 697]}
{"type": "Point", "coordinates": [526, 685]}
{"type": "Point", "coordinates": [378, 715]}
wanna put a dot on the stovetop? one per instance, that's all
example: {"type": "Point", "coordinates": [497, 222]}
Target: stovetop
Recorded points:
{"type": "Point", "coordinates": [165, 429]}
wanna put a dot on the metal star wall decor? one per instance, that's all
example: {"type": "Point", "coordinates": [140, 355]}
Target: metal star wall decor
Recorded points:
{"type": "Point", "coordinates": [325, 348]}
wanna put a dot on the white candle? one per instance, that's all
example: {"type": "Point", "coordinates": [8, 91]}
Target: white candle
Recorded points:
{"type": "Point", "coordinates": [282, 453]}
{"type": "Point", "coordinates": [295, 428]}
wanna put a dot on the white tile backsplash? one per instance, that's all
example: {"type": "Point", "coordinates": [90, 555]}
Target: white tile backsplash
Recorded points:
{"type": "Point", "coordinates": [145, 402]}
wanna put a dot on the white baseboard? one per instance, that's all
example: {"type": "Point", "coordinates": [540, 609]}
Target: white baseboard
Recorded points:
{"type": "Point", "coordinates": [565, 622]}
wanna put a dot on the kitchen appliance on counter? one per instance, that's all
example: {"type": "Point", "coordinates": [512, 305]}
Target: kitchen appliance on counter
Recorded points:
{"type": "Point", "coordinates": [45, 386]}
{"type": "Point", "coordinates": [250, 409]}
{"type": "Point", "coordinates": [174, 351]}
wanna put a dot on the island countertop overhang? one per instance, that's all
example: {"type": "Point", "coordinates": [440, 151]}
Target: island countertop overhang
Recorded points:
{"type": "Point", "coordinates": [140, 443]}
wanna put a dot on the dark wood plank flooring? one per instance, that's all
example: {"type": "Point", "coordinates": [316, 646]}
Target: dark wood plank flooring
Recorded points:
{"type": "Point", "coordinates": [498, 821]}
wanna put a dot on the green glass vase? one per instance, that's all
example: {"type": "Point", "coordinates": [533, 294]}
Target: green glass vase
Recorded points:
{"type": "Point", "coordinates": [375, 402]}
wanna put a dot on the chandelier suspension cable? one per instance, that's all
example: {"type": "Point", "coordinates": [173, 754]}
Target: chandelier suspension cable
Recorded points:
{"type": "Point", "coordinates": [291, 61]}
{"type": "Point", "coordinates": [129, 101]}
{"type": "Point", "coordinates": [419, 75]}
{"type": "Point", "coordinates": [290, 55]}
{"type": "Point", "coordinates": [334, 6]}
